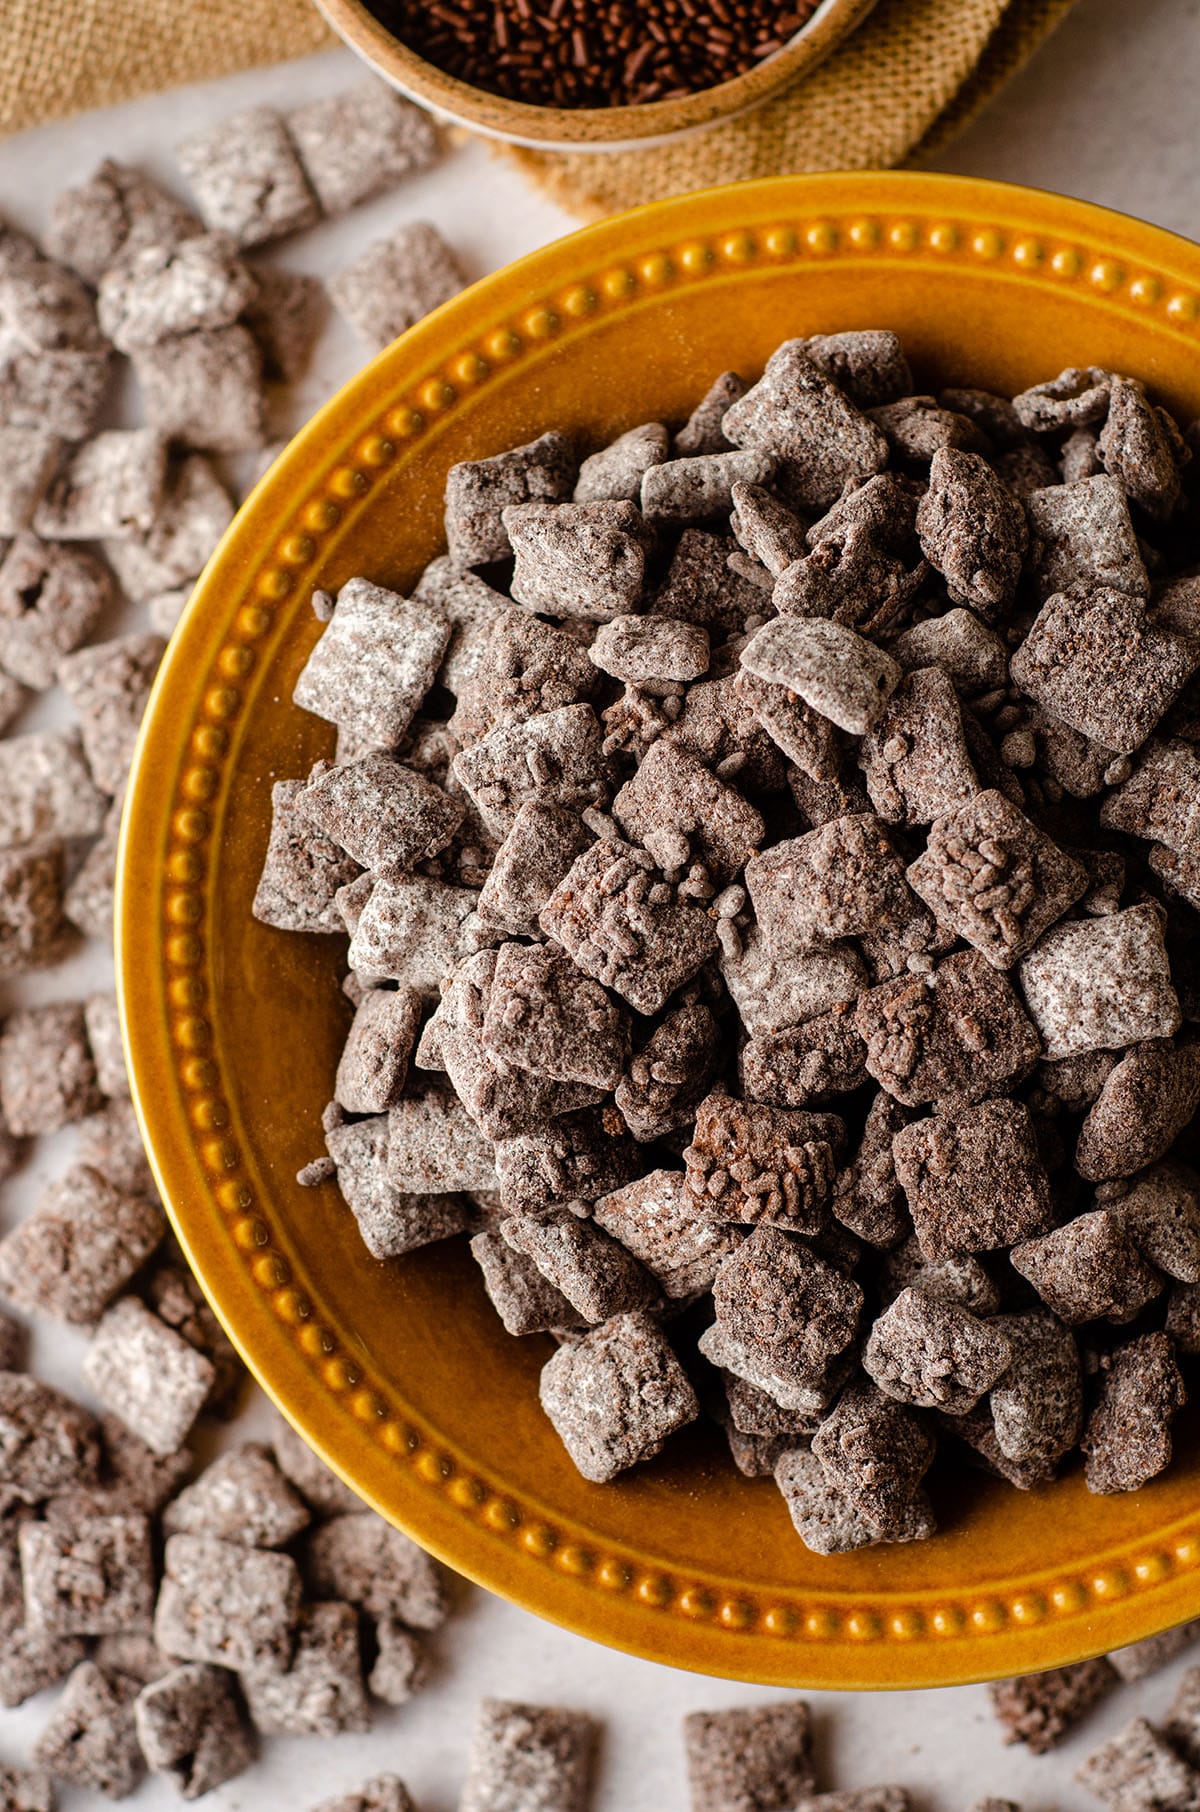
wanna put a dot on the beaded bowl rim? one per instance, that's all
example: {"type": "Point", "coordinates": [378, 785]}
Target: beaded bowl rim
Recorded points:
{"type": "Point", "coordinates": [619, 1592]}
{"type": "Point", "coordinates": [600, 129]}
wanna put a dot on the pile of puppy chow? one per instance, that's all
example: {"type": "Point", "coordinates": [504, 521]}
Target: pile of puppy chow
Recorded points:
{"type": "Point", "coordinates": [187, 1609]}
{"type": "Point", "coordinates": [770, 854]}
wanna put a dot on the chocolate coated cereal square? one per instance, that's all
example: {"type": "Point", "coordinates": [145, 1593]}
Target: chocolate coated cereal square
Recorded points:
{"type": "Point", "coordinates": [752, 1759]}
{"type": "Point", "coordinates": [615, 1396]}
{"type": "Point", "coordinates": [528, 1758]}
{"type": "Point", "coordinates": [88, 1575]}
{"type": "Point", "coordinates": [364, 1560]}
{"type": "Point", "coordinates": [204, 389]}
{"type": "Point", "coordinates": [973, 1178]}
{"type": "Point", "coordinates": [147, 1375]}
{"type": "Point", "coordinates": [302, 869]}
{"type": "Point", "coordinates": [226, 1604]}
{"type": "Point", "coordinates": [320, 1692]}
{"type": "Point", "coordinates": [396, 282]}
{"type": "Point", "coordinates": [378, 656]}
{"type": "Point", "coordinates": [247, 178]}
{"type": "Point", "coordinates": [90, 1739]}
{"type": "Point", "coordinates": [82, 1244]}
{"type": "Point", "coordinates": [190, 1727]}
{"type": "Point", "coordinates": [109, 684]}
{"type": "Point", "coordinates": [355, 144]}
{"type": "Point", "coordinates": [47, 1076]}
{"type": "Point", "coordinates": [1101, 984]}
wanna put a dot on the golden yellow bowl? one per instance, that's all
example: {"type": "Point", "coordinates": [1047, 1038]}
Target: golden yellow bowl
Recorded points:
{"type": "Point", "coordinates": [400, 1374]}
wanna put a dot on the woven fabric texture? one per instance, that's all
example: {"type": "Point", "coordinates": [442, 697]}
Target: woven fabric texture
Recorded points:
{"type": "Point", "coordinates": [915, 73]}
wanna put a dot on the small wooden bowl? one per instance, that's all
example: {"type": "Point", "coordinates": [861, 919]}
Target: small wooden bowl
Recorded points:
{"type": "Point", "coordinates": [588, 128]}
{"type": "Point", "coordinates": [400, 1374]}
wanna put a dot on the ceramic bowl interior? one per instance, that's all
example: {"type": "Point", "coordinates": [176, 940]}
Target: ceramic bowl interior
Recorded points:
{"type": "Point", "coordinates": [589, 128]}
{"type": "Point", "coordinates": [400, 1374]}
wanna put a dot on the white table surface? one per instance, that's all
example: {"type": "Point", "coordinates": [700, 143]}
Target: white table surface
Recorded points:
{"type": "Point", "coordinates": [1104, 112]}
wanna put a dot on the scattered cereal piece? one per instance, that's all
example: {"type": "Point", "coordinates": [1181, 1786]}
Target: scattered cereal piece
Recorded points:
{"type": "Point", "coordinates": [47, 1076]}
{"type": "Point", "coordinates": [320, 1488]}
{"type": "Point", "coordinates": [79, 1248]}
{"type": "Point", "coordinates": [1140, 1659]}
{"type": "Point", "coordinates": [1143, 1106]}
{"type": "Point", "coordinates": [88, 896]}
{"type": "Point", "coordinates": [204, 391]}
{"type": "Point", "coordinates": [164, 290]}
{"type": "Point", "coordinates": [286, 316]}
{"type": "Point", "coordinates": [112, 215]}
{"type": "Point", "coordinates": [196, 510]}
{"type": "Point", "coordinates": [25, 1790]}
{"type": "Point", "coordinates": [362, 1559]}
{"type": "Point", "coordinates": [31, 456]}
{"type": "Point", "coordinates": [1040, 1709]}
{"type": "Point", "coordinates": [320, 1691]}
{"type": "Point", "coordinates": [88, 1576]}
{"type": "Point", "coordinates": [386, 1793]}
{"type": "Point", "coordinates": [1127, 1440]}
{"type": "Point", "coordinates": [240, 1496]}
{"type": "Point", "coordinates": [90, 1739]}
{"type": "Point", "coordinates": [615, 1396]}
{"type": "Point", "coordinates": [227, 1604]}
{"type": "Point", "coordinates": [247, 178]}
{"type": "Point", "coordinates": [355, 144]}
{"type": "Point", "coordinates": [147, 1375]}
{"type": "Point", "coordinates": [678, 492]}
{"type": "Point", "coordinates": [536, 1758]}
{"type": "Point", "coordinates": [111, 486]}
{"type": "Point", "coordinates": [108, 684]}
{"type": "Point", "coordinates": [32, 933]}
{"type": "Point", "coordinates": [1138, 1771]}
{"type": "Point", "coordinates": [756, 1759]}
{"type": "Point", "coordinates": [51, 596]}
{"type": "Point", "coordinates": [400, 1663]}
{"type": "Point", "coordinates": [190, 1727]}
{"type": "Point", "coordinates": [63, 393]}
{"type": "Point", "coordinates": [396, 282]}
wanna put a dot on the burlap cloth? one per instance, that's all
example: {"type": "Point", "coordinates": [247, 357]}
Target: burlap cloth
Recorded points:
{"type": "Point", "coordinates": [908, 79]}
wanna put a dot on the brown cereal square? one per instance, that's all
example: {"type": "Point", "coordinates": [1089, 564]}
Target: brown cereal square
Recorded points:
{"type": "Point", "coordinates": [286, 316]}
{"type": "Point", "coordinates": [595, 1273]}
{"type": "Point", "coordinates": [373, 1065]}
{"type": "Point", "coordinates": [111, 486]}
{"type": "Point", "coordinates": [391, 1220]}
{"type": "Point", "coordinates": [836, 672]}
{"type": "Point", "coordinates": [771, 991]}
{"type": "Point", "coordinates": [651, 649]}
{"type": "Point", "coordinates": [756, 1759]}
{"type": "Point", "coordinates": [523, 1297]}
{"type": "Point", "coordinates": [806, 1065]}
{"type": "Point", "coordinates": [478, 491]}
{"type": "Point", "coordinates": [680, 812]}
{"type": "Point", "coordinates": [25, 1790]}
{"type": "Point", "coordinates": [364, 1560]}
{"type": "Point", "coordinates": [145, 1373]}
{"type": "Point", "coordinates": [190, 1727]}
{"type": "Point", "coordinates": [838, 881]}
{"type": "Point", "coordinates": [795, 412]}
{"type": "Point", "coordinates": [111, 1142]}
{"type": "Point", "coordinates": [701, 433]}
{"type": "Point", "coordinates": [615, 1395]}
{"type": "Point", "coordinates": [1145, 1103]}
{"type": "Point", "coordinates": [240, 1496]}
{"type": "Point", "coordinates": [1089, 1269]}
{"type": "Point", "coordinates": [396, 282]}
{"type": "Point", "coordinates": [1101, 984]}
{"type": "Point", "coordinates": [1037, 1406]}
{"type": "Point", "coordinates": [302, 869]}
{"type": "Point", "coordinates": [320, 1488]}
{"type": "Point", "coordinates": [973, 1179]}
{"type": "Point", "coordinates": [46, 790]}
{"type": "Point", "coordinates": [204, 389]}
{"type": "Point", "coordinates": [526, 667]}
{"type": "Point", "coordinates": [247, 178]}
{"type": "Point", "coordinates": [378, 656]}
{"type": "Point", "coordinates": [164, 290]}
{"type": "Point", "coordinates": [90, 1740]}
{"type": "Point", "coordinates": [1081, 534]}
{"type": "Point", "coordinates": [700, 586]}
{"type": "Point", "coordinates": [196, 510]}
{"type": "Point", "coordinates": [916, 758]}
{"type": "Point", "coordinates": [973, 655]}
{"type": "Point", "coordinates": [1127, 1440]}
{"type": "Point", "coordinates": [88, 1575]}
{"type": "Point", "coordinates": [79, 1248]}
{"type": "Point", "coordinates": [868, 363]}
{"type": "Point", "coordinates": [355, 144]}
{"type": "Point", "coordinates": [1040, 1709]}
{"type": "Point", "coordinates": [30, 456]}
{"type": "Point", "coordinates": [554, 758]}
{"type": "Point", "coordinates": [577, 559]}
{"type": "Point", "coordinates": [115, 213]}
{"type": "Point", "coordinates": [88, 895]}
{"type": "Point", "coordinates": [659, 1092]}
{"type": "Point", "coordinates": [992, 877]}
{"type": "Point", "coordinates": [62, 393]}
{"type": "Point", "coordinates": [678, 492]}
{"type": "Point", "coordinates": [382, 813]}
{"type": "Point", "coordinates": [1138, 1659]}
{"type": "Point", "coordinates": [867, 1197]}
{"type": "Point", "coordinates": [1161, 1209]}
{"type": "Point", "coordinates": [576, 1157]}
{"type": "Point", "coordinates": [321, 1691]}
{"type": "Point", "coordinates": [109, 684]}
{"type": "Point", "coordinates": [386, 1793]}
{"type": "Point", "coordinates": [432, 1144]}
{"type": "Point", "coordinates": [1160, 801]}
{"type": "Point", "coordinates": [824, 1517]}
{"type": "Point", "coordinates": [1142, 447]}
{"type": "Point", "coordinates": [534, 1757]}
{"type": "Point", "coordinates": [1139, 1771]}
{"type": "Point", "coordinates": [32, 933]}
{"type": "Point", "coordinates": [51, 597]}
{"type": "Point", "coordinates": [617, 470]}
{"type": "Point", "coordinates": [656, 1219]}
{"type": "Point", "coordinates": [750, 1162]}
{"type": "Point", "coordinates": [542, 1016]}
{"type": "Point", "coordinates": [534, 858]}
{"type": "Point", "coordinates": [226, 1604]}
{"type": "Point", "coordinates": [781, 1304]}
{"type": "Point", "coordinates": [410, 931]}
{"type": "Point", "coordinates": [47, 1076]}
{"type": "Point", "coordinates": [959, 1032]}
{"type": "Point", "coordinates": [1096, 661]}
{"type": "Point", "coordinates": [622, 923]}
{"type": "Point", "coordinates": [934, 1354]}
{"type": "Point", "coordinates": [876, 1452]}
